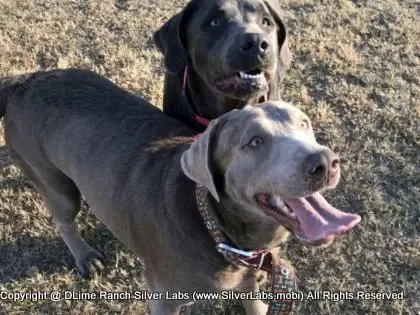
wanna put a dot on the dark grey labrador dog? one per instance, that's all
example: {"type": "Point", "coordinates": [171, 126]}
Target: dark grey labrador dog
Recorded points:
{"type": "Point", "coordinates": [230, 53]}
{"type": "Point", "coordinates": [75, 133]}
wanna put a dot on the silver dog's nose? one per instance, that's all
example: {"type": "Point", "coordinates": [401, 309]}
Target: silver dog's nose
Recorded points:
{"type": "Point", "coordinates": [321, 164]}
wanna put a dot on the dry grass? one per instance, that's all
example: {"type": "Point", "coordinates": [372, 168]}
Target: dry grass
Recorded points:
{"type": "Point", "coordinates": [355, 72]}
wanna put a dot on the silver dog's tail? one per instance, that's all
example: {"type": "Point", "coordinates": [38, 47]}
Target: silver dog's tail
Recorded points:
{"type": "Point", "coordinates": [9, 86]}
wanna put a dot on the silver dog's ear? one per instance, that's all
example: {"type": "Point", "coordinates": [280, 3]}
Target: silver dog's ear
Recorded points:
{"type": "Point", "coordinates": [170, 40]}
{"type": "Point", "coordinates": [196, 161]}
{"type": "Point", "coordinates": [285, 57]}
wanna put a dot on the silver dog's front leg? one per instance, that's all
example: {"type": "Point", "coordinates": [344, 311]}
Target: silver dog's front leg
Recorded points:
{"type": "Point", "coordinates": [255, 307]}
{"type": "Point", "coordinates": [164, 307]}
{"type": "Point", "coordinates": [250, 284]}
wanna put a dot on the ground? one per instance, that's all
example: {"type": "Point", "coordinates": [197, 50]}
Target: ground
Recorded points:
{"type": "Point", "coordinates": [355, 72]}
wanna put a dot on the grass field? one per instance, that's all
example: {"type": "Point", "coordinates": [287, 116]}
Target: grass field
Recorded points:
{"type": "Point", "coordinates": [355, 71]}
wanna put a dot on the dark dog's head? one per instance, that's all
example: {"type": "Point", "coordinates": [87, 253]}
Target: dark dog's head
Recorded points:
{"type": "Point", "coordinates": [238, 48]}
{"type": "Point", "coordinates": [266, 160]}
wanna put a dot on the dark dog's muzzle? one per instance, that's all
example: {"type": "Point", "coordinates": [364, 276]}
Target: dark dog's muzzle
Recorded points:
{"type": "Point", "coordinates": [253, 45]}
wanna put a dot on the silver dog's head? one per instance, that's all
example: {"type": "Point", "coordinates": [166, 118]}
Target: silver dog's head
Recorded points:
{"type": "Point", "coordinates": [266, 159]}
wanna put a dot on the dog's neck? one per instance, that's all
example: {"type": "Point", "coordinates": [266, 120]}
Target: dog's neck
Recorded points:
{"type": "Point", "coordinates": [244, 226]}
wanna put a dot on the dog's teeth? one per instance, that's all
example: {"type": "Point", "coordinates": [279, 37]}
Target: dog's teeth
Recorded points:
{"type": "Point", "coordinates": [244, 75]}
{"type": "Point", "coordinates": [277, 202]}
{"type": "Point", "coordinates": [281, 204]}
{"type": "Point", "coordinates": [289, 212]}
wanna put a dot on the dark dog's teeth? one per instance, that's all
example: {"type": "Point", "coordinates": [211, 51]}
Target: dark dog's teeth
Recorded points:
{"type": "Point", "coordinates": [251, 75]}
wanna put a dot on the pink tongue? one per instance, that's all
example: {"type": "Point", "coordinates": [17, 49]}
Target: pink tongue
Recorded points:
{"type": "Point", "coordinates": [318, 219]}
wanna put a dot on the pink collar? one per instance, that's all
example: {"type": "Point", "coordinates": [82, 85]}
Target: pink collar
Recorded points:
{"type": "Point", "coordinates": [202, 120]}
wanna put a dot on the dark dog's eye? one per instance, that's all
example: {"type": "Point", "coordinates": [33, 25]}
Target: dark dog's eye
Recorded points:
{"type": "Point", "coordinates": [215, 22]}
{"type": "Point", "coordinates": [266, 22]}
{"type": "Point", "coordinates": [255, 142]}
{"type": "Point", "coordinates": [304, 123]}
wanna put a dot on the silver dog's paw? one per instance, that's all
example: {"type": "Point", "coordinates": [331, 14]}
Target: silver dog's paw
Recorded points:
{"type": "Point", "coordinates": [90, 264]}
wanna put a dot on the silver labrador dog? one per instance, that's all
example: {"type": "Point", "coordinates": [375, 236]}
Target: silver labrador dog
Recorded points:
{"type": "Point", "coordinates": [222, 55]}
{"type": "Point", "coordinates": [75, 133]}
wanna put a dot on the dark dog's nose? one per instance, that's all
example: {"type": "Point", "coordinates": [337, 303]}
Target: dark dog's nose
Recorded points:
{"type": "Point", "coordinates": [254, 43]}
{"type": "Point", "coordinates": [322, 164]}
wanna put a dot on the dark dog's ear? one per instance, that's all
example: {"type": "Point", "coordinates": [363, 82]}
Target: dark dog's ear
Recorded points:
{"type": "Point", "coordinates": [196, 162]}
{"type": "Point", "coordinates": [169, 39]}
{"type": "Point", "coordinates": [285, 57]}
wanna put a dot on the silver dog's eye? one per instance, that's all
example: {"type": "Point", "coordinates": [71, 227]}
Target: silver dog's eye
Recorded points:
{"type": "Point", "coordinates": [255, 142]}
{"type": "Point", "coordinates": [304, 123]}
{"type": "Point", "coordinates": [215, 22]}
{"type": "Point", "coordinates": [266, 22]}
